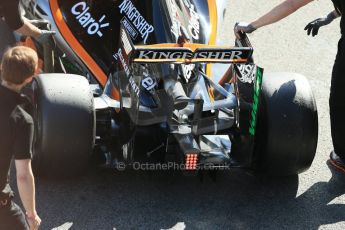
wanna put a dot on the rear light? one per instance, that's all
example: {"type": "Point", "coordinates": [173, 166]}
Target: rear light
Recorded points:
{"type": "Point", "coordinates": [191, 161]}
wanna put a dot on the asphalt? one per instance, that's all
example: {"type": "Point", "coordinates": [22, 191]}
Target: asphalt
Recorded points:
{"type": "Point", "coordinates": [236, 200]}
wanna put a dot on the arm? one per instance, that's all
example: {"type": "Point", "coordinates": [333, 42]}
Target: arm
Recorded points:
{"type": "Point", "coordinates": [21, 25]}
{"type": "Point", "coordinates": [279, 12]}
{"type": "Point", "coordinates": [336, 13]}
{"type": "Point", "coordinates": [26, 185]}
{"type": "Point", "coordinates": [26, 188]}
{"type": "Point", "coordinates": [29, 30]}
{"type": "Point", "coordinates": [22, 150]}
{"type": "Point", "coordinates": [15, 20]}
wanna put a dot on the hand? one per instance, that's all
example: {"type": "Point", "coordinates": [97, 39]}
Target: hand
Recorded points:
{"type": "Point", "coordinates": [243, 27]}
{"type": "Point", "coordinates": [45, 36]}
{"type": "Point", "coordinates": [34, 221]}
{"type": "Point", "coordinates": [314, 26]}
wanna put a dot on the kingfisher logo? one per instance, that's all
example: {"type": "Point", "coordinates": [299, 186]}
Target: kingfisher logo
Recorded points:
{"type": "Point", "coordinates": [188, 54]}
{"type": "Point", "coordinates": [135, 19]}
{"type": "Point", "coordinates": [82, 12]}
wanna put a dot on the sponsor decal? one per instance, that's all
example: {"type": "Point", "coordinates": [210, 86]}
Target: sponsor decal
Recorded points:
{"type": "Point", "coordinates": [247, 73]}
{"type": "Point", "coordinates": [194, 23]}
{"type": "Point", "coordinates": [125, 40]}
{"type": "Point", "coordinates": [257, 92]}
{"type": "Point", "coordinates": [176, 24]}
{"type": "Point", "coordinates": [187, 71]}
{"type": "Point", "coordinates": [193, 29]}
{"type": "Point", "coordinates": [148, 83]}
{"type": "Point", "coordinates": [131, 31]}
{"type": "Point", "coordinates": [194, 20]}
{"type": "Point", "coordinates": [134, 18]}
{"type": "Point", "coordinates": [188, 54]}
{"type": "Point", "coordinates": [119, 57]}
{"type": "Point", "coordinates": [85, 19]}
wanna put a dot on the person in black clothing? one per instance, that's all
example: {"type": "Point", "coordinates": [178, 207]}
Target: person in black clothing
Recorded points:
{"type": "Point", "coordinates": [336, 101]}
{"type": "Point", "coordinates": [16, 135]}
{"type": "Point", "coordinates": [11, 20]}
{"type": "Point", "coordinates": [337, 96]}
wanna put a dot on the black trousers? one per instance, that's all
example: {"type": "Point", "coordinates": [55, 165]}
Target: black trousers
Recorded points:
{"type": "Point", "coordinates": [12, 218]}
{"type": "Point", "coordinates": [337, 102]}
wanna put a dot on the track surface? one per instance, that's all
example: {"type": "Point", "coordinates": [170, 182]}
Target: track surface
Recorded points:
{"type": "Point", "coordinates": [141, 200]}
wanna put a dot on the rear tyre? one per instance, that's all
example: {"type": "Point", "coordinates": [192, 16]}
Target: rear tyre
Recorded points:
{"type": "Point", "coordinates": [287, 125]}
{"type": "Point", "coordinates": [64, 125]}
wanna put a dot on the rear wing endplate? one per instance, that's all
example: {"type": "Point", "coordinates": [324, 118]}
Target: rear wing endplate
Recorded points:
{"type": "Point", "coordinates": [183, 54]}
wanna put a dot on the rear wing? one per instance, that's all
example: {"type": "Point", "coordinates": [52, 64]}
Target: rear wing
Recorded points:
{"type": "Point", "coordinates": [183, 54]}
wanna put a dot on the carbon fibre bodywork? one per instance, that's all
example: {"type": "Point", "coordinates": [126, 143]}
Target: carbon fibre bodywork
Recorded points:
{"type": "Point", "coordinates": [133, 106]}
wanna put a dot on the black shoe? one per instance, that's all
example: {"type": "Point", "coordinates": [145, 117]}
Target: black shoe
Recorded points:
{"type": "Point", "coordinates": [337, 162]}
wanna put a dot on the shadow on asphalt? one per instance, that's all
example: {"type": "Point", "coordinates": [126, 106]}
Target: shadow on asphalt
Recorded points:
{"type": "Point", "coordinates": [159, 200]}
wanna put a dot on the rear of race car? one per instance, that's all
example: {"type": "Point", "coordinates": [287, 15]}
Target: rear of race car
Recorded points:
{"type": "Point", "coordinates": [162, 89]}
{"type": "Point", "coordinates": [203, 132]}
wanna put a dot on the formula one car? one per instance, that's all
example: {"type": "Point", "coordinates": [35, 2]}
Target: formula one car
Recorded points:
{"type": "Point", "coordinates": [146, 81]}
